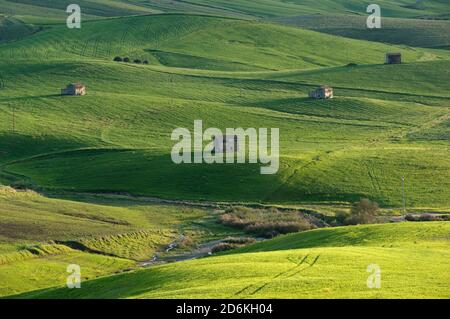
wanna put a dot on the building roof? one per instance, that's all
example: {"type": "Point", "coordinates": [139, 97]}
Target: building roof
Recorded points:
{"type": "Point", "coordinates": [325, 87]}
{"type": "Point", "coordinates": [76, 85]}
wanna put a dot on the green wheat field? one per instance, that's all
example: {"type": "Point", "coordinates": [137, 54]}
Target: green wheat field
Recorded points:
{"type": "Point", "coordinates": [89, 180]}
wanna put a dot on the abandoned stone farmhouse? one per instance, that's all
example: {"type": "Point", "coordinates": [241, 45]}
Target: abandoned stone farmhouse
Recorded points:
{"type": "Point", "coordinates": [393, 58]}
{"type": "Point", "coordinates": [226, 144]}
{"type": "Point", "coordinates": [76, 89]}
{"type": "Point", "coordinates": [322, 92]}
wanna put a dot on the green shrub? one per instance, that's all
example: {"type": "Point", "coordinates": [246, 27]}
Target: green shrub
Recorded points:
{"type": "Point", "coordinates": [223, 247]}
{"type": "Point", "coordinates": [268, 222]}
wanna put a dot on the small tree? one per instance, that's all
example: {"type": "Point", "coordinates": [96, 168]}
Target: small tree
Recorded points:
{"type": "Point", "coordinates": [118, 59]}
{"type": "Point", "coordinates": [145, 62]}
{"type": "Point", "coordinates": [137, 61]}
{"type": "Point", "coordinates": [127, 59]}
{"type": "Point", "coordinates": [362, 212]}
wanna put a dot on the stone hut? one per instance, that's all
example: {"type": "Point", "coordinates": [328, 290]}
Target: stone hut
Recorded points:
{"type": "Point", "coordinates": [393, 58]}
{"type": "Point", "coordinates": [76, 89]}
{"type": "Point", "coordinates": [322, 92]}
{"type": "Point", "coordinates": [226, 143]}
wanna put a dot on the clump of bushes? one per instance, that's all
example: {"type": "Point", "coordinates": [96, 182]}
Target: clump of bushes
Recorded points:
{"type": "Point", "coordinates": [266, 222]}
{"type": "Point", "coordinates": [128, 60]}
{"type": "Point", "coordinates": [186, 242]}
{"type": "Point", "coordinates": [224, 247]}
{"type": "Point", "coordinates": [232, 243]}
{"type": "Point", "coordinates": [362, 212]}
{"type": "Point", "coordinates": [427, 218]}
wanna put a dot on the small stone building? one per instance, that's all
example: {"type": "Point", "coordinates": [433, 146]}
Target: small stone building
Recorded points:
{"type": "Point", "coordinates": [74, 89]}
{"type": "Point", "coordinates": [322, 92]}
{"type": "Point", "coordinates": [226, 143]}
{"type": "Point", "coordinates": [393, 58]}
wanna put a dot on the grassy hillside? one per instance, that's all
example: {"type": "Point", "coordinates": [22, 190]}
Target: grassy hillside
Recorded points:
{"type": "Point", "coordinates": [54, 11]}
{"type": "Point", "coordinates": [271, 8]}
{"type": "Point", "coordinates": [45, 11]}
{"type": "Point", "coordinates": [413, 32]}
{"type": "Point", "coordinates": [415, 250]}
{"type": "Point", "coordinates": [384, 235]}
{"type": "Point", "coordinates": [28, 218]}
{"type": "Point", "coordinates": [134, 138]}
{"type": "Point", "coordinates": [46, 266]}
{"type": "Point", "coordinates": [359, 144]}
{"type": "Point", "coordinates": [40, 236]}
{"type": "Point", "coordinates": [200, 42]}
{"type": "Point", "coordinates": [12, 29]}
{"type": "Point", "coordinates": [216, 61]}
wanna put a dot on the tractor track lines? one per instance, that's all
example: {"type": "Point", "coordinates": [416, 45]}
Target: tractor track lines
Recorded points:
{"type": "Point", "coordinates": [373, 178]}
{"type": "Point", "coordinates": [293, 271]}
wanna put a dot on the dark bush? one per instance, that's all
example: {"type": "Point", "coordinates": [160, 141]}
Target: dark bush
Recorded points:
{"type": "Point", "coordinates": [240, 240]}
{"type": "Point", "coordinates": [427, 218]}
{"type": "Point", "coordinates": [145, 62]}
{"type": "Point", "coordinates": [118, 59]}
{"type": "Point", "coordinates": [137, 61]}
{"type": "Point", "coordinates": [362, 212]}
{"type": "Point", "coordinates": [341, 217]}
{"type": "Point", "coordinates": [127, 59]}
{"type": "Point", "coordinates": [232, 243]}
{"type": "Point", "coordinates": [273, 229]}
{"type": "Point", "coordinates": [223, 247]}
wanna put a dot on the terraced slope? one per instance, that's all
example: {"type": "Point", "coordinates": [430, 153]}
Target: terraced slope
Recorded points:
{"type": "Point", "coordinates": [413, 32]}
{"type": "Point", "coordinates": [273, 8]}
{"type": "Point", "coordinates": [413, 258]}
{"type": "Point", "coordinates": [54, 11]}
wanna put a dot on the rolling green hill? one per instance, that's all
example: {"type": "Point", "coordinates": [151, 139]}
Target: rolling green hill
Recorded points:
{"type": "Point", "coordinates": [413, 32]}
{"type": "Point", "coordinates": [359, 144]}
{"type": "Point", "coordinates": [12, 29]}
{"type": "Point", "coordinates": [54, 11]}
{"type": "Point", "coordinates": [413, 258]}
{"type": "Point", "coordinates": [45, 11]}
{"type": "Point", "coordinates": [384, 235]}
{"type": "Point", "coordinates": [271, 8]}
{"type": "Point", "coordinates": [199, 42]}
{"type": "Point", "coordinates": [222, 62]}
